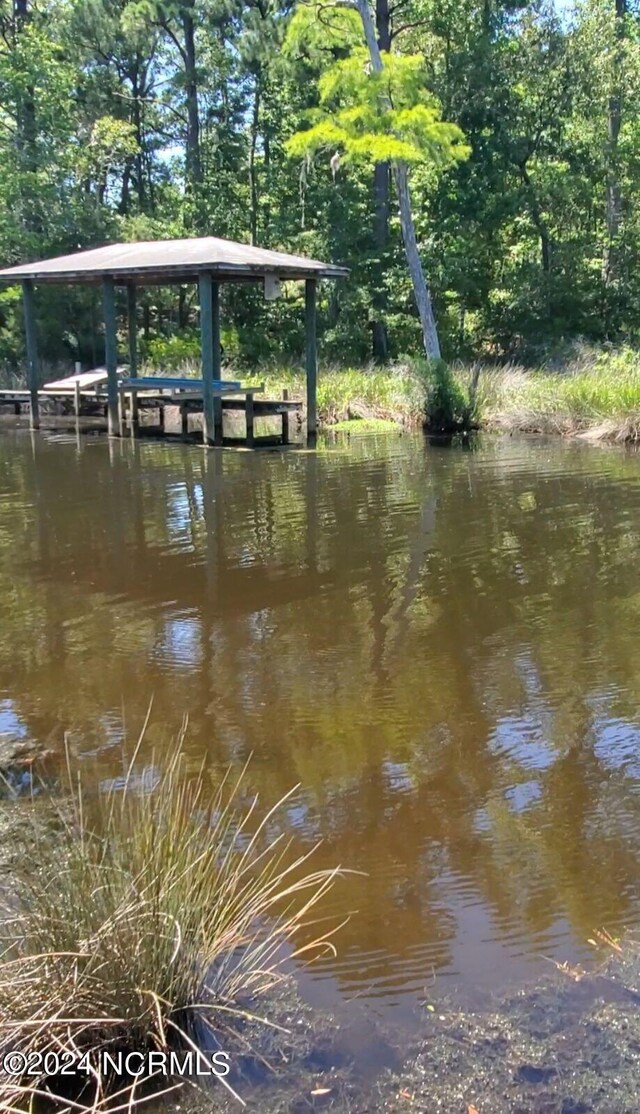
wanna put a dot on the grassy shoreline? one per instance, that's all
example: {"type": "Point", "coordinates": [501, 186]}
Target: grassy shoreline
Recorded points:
{"type": "Point", "coordinates": [137, 922]}
{"type": "Point", "coordinates": [592, 394]}
{"type": "Point", "coordinates": [596, 396]}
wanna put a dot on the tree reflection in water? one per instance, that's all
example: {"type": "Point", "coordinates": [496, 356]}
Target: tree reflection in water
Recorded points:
{"type": "Point", "coordinates": [437, 644]}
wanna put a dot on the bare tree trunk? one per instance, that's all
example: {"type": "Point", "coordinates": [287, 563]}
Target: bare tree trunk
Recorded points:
{"type": "Point", "coordinates": [193, 160]}
{"type": "Point", "coordinates": [381, 190]}
{"type": "Point", "coordinates": [420, 285]}
{"type": "Point", "coordinates": [613, 194]}
{"type": "Point", "coordinates": [26, 125]}
{"type": "Point", "coordinates": [125, 192]}
{"type": "Point", "coordinates": [253, 180]}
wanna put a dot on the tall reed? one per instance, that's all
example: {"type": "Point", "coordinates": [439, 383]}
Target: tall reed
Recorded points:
{"type": "Point", "coordinates": [140, 917]}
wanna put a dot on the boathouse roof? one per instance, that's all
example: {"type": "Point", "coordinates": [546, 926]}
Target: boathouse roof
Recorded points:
{"type": "Point", "coordinates": [165, 261]}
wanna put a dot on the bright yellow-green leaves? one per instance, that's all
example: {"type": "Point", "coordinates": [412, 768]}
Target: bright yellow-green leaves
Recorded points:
{"type": "Point", "coordinates": [374, 116]}
{"type": "Point", "coordinates": [314, 33]}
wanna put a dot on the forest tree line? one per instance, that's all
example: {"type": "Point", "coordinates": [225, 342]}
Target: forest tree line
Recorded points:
{"type": "Point", "coordinates": [147, 119]}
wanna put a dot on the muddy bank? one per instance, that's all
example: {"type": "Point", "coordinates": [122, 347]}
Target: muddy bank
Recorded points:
{"type": "Point", "coordinates": [570, 1045]}
{"type": "Point", "coordinates": [563, 1048]}
{"type": "Point", "coordinates": [295, 1060]}
{"type": "Point", "coordinates": [16, 750]}
{"type": "Point", "coordinates": [22, 766]}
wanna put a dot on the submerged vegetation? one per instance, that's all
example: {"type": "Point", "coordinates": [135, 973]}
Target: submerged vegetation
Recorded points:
{"type": "Point", "coordinates": [145, 921]}
{"type": "Point", "coordinates": [566, 1046]}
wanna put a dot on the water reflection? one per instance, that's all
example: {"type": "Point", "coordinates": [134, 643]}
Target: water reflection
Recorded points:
{"type": "Point", "coordinates": [438, 645]}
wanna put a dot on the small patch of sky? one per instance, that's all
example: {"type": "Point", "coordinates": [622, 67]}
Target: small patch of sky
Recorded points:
{"type": "Point", "coordinates": [522, 739]}
{"type": "Point", "coordinates": [617, 745]}
{"type": "Point", "coordinates": [565, 10]}
{"type": "Point", "coordinates": [520, 797]}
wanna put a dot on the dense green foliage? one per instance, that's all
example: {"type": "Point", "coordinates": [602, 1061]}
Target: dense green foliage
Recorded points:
{"type": "Point", "coordinates": [138, 119]}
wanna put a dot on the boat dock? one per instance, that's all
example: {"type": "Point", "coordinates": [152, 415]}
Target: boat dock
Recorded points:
{"type": "Point", "coordinates": [84, 395]}
{"type": "Point", "coordinates": [121, 270]}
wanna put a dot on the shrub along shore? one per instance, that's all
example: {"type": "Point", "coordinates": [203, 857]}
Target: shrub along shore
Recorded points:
{"type": "Point", "coordinates": [593, 394]}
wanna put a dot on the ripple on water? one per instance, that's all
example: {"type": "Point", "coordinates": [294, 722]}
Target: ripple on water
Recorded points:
{"type": "Point", "coordinates": [438, 644]}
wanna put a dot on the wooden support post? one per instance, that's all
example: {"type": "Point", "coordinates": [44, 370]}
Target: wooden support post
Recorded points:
{"type": "Point", "coordinates": [111, 354]}
{"type": "Point", "coordinates": [33, 368]}
{"type": "Point", "coordinates": [161, 417]}
{"type": "Point", "coordinates": [285, 419]}
{"type": "Point", "coordinates": [205, 290]}
{"type": "Point", "coordinates": [76, 403]}
{"type": "Point", "coordinates": [132, 330]}
{"type": "Point", "coordinates": [217, 420]}
{"type": "Point", "coordinates": [250, 417]}
{"type": "Point", "coordinates": [184, 419]}
{"type": "Point", "coordinates": [217, 359]}
{"type": "Point", "coordinates": [134, 413]}
{"type": "Point", "coordinates": [311, 357]}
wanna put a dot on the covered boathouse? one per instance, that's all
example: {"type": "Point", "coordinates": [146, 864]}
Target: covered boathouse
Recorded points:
{"type": "Point", "coordinates": [207, 261]}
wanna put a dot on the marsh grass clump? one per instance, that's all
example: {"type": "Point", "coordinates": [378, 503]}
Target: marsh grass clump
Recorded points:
{"type": "Point", "coordinates": [140, 921]}
{"type": "Point", "coordinates": [410, 393]}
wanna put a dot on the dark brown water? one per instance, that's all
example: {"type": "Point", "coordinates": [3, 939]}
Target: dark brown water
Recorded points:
{"type": "Point", "coordinates": [440, 645]}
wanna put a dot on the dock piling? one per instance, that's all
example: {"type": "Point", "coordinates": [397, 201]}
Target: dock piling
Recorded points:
{"type": "Point", "coordinates": [311, 357]}
{"type": "Point", "coordinates": [250, 419]}
{"type": "Point", "coordinates": [285, 419]}
{"type": "Point", "coordinates": [205, 290]}
{"type": "Point", "coordinates": [33, 367]}
{"type": "Point", "coordinates": [132, 334]}
{"type": "Point", "coordinates": [111, 355]}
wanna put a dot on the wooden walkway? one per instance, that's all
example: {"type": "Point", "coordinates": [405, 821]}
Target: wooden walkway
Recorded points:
{"type": "Point", "coordinates": [84, 396]}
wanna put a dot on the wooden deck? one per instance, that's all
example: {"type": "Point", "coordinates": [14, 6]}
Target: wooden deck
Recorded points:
{"type": "Point", "coordinates": [79, 401]}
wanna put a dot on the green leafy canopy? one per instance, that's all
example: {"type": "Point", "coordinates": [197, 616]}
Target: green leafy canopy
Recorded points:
{"type": "Point", "coordinates": [374, 116]}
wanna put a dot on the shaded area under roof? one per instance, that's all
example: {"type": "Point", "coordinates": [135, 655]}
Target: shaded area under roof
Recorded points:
{"type": "Point", "coordinates": [167, 261]}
